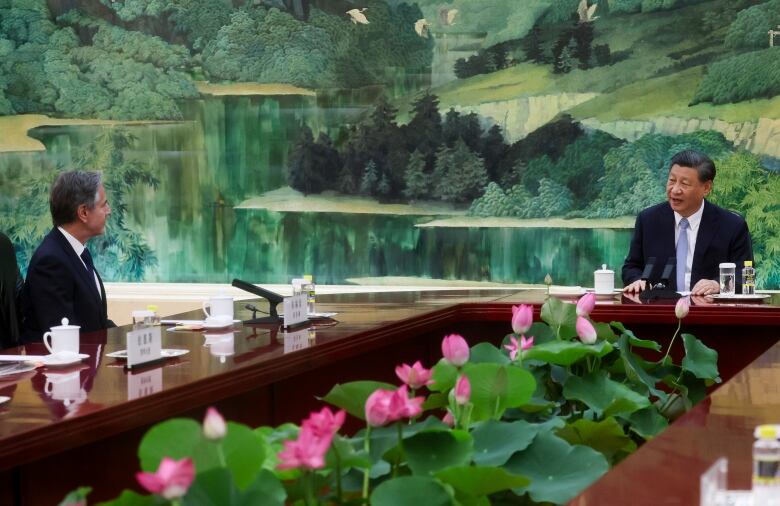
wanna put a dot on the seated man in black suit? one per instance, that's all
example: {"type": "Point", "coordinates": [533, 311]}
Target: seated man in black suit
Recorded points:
{"type": "Point", "coordinates": [62, 281]}
{"type": "Point", "coordinates": [695, 234]}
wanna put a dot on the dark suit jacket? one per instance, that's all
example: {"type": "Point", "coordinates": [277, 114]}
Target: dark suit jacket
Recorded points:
{"type": "Point", "coordinates": [58, 285]}
{"type": "Point", "coordinates": [10, 284]}
{"type": "Point", "coordinates": [723, 237]}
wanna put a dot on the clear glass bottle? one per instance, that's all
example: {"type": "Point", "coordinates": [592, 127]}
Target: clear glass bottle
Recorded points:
{"type": "Point", "coordinates": [154, 317]}
{"type": "Point", "coordinates": [748, 278]}
{"type": "Point", "coordinates": [309, 289]}
{"type": "Point", "coordinates": [766, 466]}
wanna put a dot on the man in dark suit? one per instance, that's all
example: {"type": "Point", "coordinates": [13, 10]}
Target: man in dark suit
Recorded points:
{"type": "Point", "coordinates": [62, 281]}
{"type": "Point", "coordinates": [688, 232]}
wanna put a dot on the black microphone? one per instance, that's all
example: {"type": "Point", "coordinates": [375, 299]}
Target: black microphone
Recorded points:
{"type": "Point", "coordinates": [649, 266]}
{"type": "Point", "coordinates": [272, 298]}
{"type": "Point", "coordinates": [667, 273]}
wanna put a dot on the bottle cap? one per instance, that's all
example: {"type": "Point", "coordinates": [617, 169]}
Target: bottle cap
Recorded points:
{"type": "Point", "coordinates": [748, 263]}
{"type": "Point", "coordinates": [766, 432]}
{"type": "Point", "coordinates": [308, 277]}
{"type": "Point", "coordinates": [141, 313]}
{"type": "Point", "coordinates": [152, 307]}
{"type": "Point", "coordinates": [727, 265]}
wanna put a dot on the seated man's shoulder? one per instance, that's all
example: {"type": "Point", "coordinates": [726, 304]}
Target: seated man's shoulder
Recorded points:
{"type": "Point", "coordinates": [654, 210]}
{"type": "Point", "coordinates": [728, 215]}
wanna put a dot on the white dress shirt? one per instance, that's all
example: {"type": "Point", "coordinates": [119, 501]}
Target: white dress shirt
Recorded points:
{"type": "Point", "coordinates": [694, 221]}
{"type": "Point", "coordinates": [79, 249]}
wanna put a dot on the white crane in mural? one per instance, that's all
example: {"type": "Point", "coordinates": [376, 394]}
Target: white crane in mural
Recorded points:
{"type": "Point", "coordinates": [772, 34]}
{"type": "Point", "coordinates": [586, 13]}
{"type": "Point", "coordinates": [422, 27]}
{"type": "Point", "coordinates": [451, 16]}
{"type": "Point", "coordinates": [358, 16]}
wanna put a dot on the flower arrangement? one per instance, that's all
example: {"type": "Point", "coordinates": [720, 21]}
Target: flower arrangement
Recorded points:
{"type": "Point", "coordinates": [534, 420]}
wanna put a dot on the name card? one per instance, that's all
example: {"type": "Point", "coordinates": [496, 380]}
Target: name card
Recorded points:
{"type": "Point", "coordinates": [295, 341]}
{"type": "Point", "coordinates": [295, 309]}
{"type": "Point", "coordinates": [143, 345]}
{"type": "Point", "coordinates": [144, 383]}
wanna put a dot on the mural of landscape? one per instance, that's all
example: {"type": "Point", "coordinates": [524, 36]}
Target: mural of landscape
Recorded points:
{"type": "Point", "coordinates": [384, 141]}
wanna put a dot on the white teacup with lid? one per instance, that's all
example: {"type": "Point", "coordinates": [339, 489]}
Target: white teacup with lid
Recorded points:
{"type": "Point", "coordinates": [604, 281]}
{"type": "Point", "coordinates": [62, 338]}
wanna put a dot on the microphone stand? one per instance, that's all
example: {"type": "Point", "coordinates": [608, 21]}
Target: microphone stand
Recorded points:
{"type": "Point", "coordinates": [272, 298]}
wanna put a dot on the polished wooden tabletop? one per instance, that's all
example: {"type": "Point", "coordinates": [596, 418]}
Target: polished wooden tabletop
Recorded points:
{"type": "Point", "coordinates": [55, 409]}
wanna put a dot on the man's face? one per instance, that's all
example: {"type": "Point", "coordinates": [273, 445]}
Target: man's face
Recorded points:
{"type": "Point", "coordinates": [684, 190]}
{"type": "Point", "coordinates": [95, 220]}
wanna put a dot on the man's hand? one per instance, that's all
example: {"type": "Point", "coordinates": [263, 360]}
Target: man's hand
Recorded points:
{"type": "Point", "coordinates": [706, 287]}
{"type": "Point", "coordinates": [635, 287]}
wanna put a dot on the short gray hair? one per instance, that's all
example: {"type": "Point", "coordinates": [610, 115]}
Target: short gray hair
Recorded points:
{"type": "Point", "coordinates": [71, 190]}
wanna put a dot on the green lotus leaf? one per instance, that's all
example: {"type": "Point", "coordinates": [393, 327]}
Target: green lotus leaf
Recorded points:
{"type": "Point", "coordinates": [605, 436]}
{"type": "Point", "coordinates": [352, 396]}
{"type": "Point", "coordinates": [411, 490]}
{"type": "Point", "coordinates": [495, 441]}
{"type": "Point", "coordinates": [699, 359]}
{"type": "Point", "coordinates": [647, 422]}
{"type": "Point", "coordinates": [566, 352]}
{"type": "Point", "coordinates": [558, 471]}
{"type": "Point", "coordinates": [487, 353]}
{"type": "Point", "coordinates": [480, 481]}
{"type": "Point", "coordinates": [561, 317]}
{"type": "Point", "coordinates": [433, 450]}
{"type": "Point", "coordinates": [603, 395]}
{"type": "Point", "coordinates": [494, 388]}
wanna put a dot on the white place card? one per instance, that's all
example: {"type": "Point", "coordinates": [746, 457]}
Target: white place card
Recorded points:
{"type": "Point", "coordinates": [295, 309]}
{"type": "Point", "coordinates": [144, 383]}
{"type": "Point", "coordinates": [143, 345]}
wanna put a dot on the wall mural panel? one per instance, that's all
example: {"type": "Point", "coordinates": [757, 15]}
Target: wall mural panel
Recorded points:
{"type": "Point", "coordinates": [382, 141]}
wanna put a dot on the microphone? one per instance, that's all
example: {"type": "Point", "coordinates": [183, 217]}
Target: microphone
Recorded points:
{"type": "Point", "coordinates": [670, 262]}
{"type": "Point", "coordinates": [272, 298]}
{"type": "Point", "coordinates": [649, 266]}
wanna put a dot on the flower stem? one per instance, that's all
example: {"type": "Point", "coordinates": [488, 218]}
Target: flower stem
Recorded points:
{"type": "Point", "coordinates": [337, 455]}
{"type": "Point", "coordinates": [400, 445]}
{"type": "Point", "coordinates": [366, 448]}
{"type": "Point", "coordinates": [221, 455]}
{"type": "Point", "coordinates": [309, 488]}
{"type": "Point", "coordinates": [679, 324]}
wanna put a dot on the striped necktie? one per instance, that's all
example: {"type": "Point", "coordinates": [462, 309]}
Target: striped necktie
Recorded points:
{"type": "Point", "coordinates": [682, 254]}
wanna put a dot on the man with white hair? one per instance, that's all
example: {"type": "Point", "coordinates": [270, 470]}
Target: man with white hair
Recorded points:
{"type": "Point", "coordinates": [62, 281]}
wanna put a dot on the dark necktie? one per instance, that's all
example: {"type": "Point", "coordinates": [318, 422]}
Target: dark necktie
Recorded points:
{"type": "Point", "coordinates": [88, 261]}
{"type": "Point", "coordinates": [682, 254]}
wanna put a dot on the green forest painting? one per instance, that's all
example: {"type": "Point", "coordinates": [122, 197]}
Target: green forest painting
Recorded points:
{"type": "Point", "coordinates": [384, 141]}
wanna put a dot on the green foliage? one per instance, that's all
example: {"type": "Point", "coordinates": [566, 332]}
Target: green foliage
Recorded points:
{"type": "Point", "coordinates": [431, 451]}
{"type": "Point", "coordinates": [459, 175]}
{"type": "Point", "coordinates": [417, 182]}
{"type": "Point", "coordinates": [129, 10]}
{"type": "Point", "coordinates": [412, 490]}
{"type": "Point", "coordinates": [745, 186]}
{"type": "Point", "coordinates": [635, 174]}
{"type": "Point", "coordinates": [750, 28]}
{"type": "Point", "coordinates": [741, 77]}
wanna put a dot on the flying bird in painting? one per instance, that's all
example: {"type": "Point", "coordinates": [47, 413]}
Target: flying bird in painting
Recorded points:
{"type": "Point", "coordinates": [358, 16]}
{"type": "Point", "coordinates": [586, 13]}
{"type": "Point", "coordinates": [422, 27]}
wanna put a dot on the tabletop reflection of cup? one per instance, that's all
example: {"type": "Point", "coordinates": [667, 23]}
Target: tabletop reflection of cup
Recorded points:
{"type": "Point", "coordinates": [62, 338]}
{"type": "Point", "coordinates": [65, 387]}
{"type": "Point", "coordinates": [221, 345]}
{"type": "Point", "coordinates": [219, 305]}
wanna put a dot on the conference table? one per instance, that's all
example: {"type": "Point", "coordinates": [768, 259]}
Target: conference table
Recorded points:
{"type": "Point", "coordinates": [81, 425]}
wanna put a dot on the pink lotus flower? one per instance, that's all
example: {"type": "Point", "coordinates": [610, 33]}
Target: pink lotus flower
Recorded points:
{"type": "Point", "coordinates": [522, 318]}
{"type": "Point", "coordinates": [515, 346]}
{"type": "Point", "coordinates": [455, 350]}
{"type": "Point", "coordinates": [462, 390]}
{"type": "Point", "coordinates": [172, 479]}
{"type": "Point", "coordinates": [308, 451]}
{"type": "Point", "coordinates": [682, 307]}
{"type": "Point", "coordinates": [385, 406]}
{"type": "Point", "coordinates": [449, 419]}
{"type": "Point", "coordinates": [325, 423]}
{"type": "Point", "coordinates": [415, 376]}
{"type": "Point", "coordinates": [586, 303]}
{"type": "Point", "coordinates": [585, 330]}
{"type": "Point", "coordinates": [214, 427]}
{"type": "Point", "coordinates": [314, 439]}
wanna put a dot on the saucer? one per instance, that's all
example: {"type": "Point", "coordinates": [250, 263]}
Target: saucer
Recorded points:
{"type": "Point", "coordinates": [223, 324]}
{"type": "Point", "coordinates": [4, 398]}
{"type": "Point", "coordinates": [165, 353]}
{"type": "Point", "coordinates": [740, 296]}
{"type": "Point", "coordinates": [55, 360]}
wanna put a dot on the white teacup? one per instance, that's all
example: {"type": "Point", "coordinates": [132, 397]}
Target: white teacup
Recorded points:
{"type": "Point", "coordinates": [604, 281]}
{"type": "Point", "coordinates": [62, 338]}
{"type": "Point", "coordinates": [219, 305]}
{"type": "Point", "coordinates": [219, 321]}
